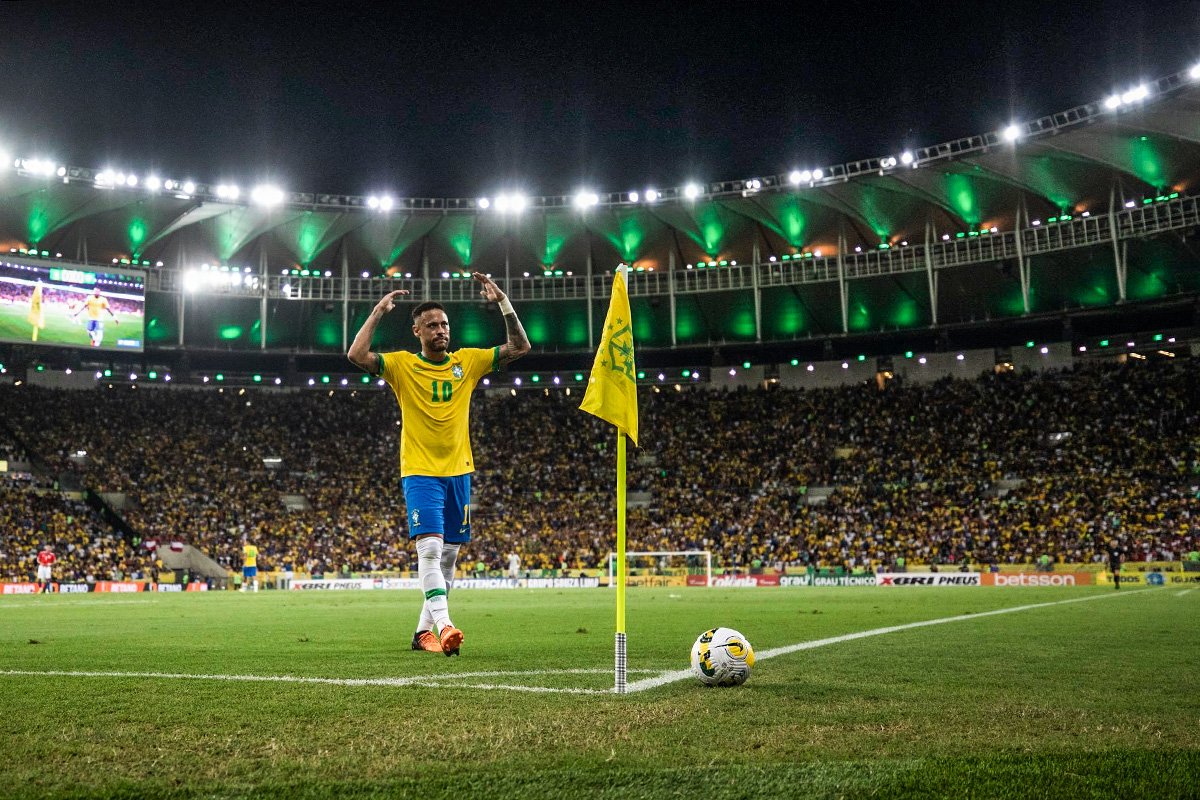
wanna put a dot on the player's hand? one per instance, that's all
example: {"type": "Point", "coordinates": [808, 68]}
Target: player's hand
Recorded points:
{"type": "Point", "coordinates": [488, 288]}
{"type": "Point", "coordinates": [389, 301]}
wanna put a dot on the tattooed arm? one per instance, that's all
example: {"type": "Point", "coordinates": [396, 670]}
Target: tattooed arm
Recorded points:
{"type": "Point", "coordinates": [518, 343]}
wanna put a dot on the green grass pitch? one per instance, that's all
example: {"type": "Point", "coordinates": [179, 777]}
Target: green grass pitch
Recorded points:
{"type": "Point", "coordinates": [1096, 698]}
{"type": "Point", "coordinates": [62, 330]}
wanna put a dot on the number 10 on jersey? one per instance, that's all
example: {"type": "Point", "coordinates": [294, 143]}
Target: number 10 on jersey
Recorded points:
{"type": "Point", "coordinates": [447, 392]}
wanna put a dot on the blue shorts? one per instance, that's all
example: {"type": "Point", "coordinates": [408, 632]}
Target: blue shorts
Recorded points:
{"type": "Point", "coordinates": [439, 505]}
{"type": "Point", "coordinates": [249, 572]}
{"type": "Point", "coordinates": [94, 325]}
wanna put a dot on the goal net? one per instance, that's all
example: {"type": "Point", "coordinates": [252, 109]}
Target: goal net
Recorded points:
{"type": "Point", "coordinates": [666, 562]}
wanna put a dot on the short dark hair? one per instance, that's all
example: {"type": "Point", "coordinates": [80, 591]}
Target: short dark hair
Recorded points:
{"type": "Point", "coordinates": [428, 305]}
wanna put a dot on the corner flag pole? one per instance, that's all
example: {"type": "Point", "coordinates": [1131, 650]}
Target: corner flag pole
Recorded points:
{"type": "Point", "coordinates": [612, 396]}
{"type": "Point", "coordinates": [622, 662]}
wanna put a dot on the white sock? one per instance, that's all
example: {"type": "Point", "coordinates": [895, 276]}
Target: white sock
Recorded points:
{"type": "Point", "coordinates": [449, 560]}
{"type": "Point", "coordinates": [433, 583]}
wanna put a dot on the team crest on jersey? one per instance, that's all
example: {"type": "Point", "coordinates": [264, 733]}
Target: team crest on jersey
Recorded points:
{"type": "Point", "coordinates": [457, 370]}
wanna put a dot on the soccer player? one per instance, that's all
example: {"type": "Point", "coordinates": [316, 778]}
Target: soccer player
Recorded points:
{"type": "Point", "coordinates": [249, 566]}
{"type": "Point", "coordinates": [1114, 561]}
{"type": "Point", "coordinates": [45, 560]}
{"type": "Point", "coordinates": [94, 304]}
{"type": "Point", "coordinates": [37, 317]}
{"type": "Point", "coordinates": [433, 388]}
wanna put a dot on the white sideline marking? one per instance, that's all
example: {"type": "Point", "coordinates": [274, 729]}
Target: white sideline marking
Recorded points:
{"type": "Point", "coordinates": [683, 674]}
{"type": "Point", "coordinates": [440, 680]}
{"type": "Point", "coordinates": [425, 681]}
{"type": "Point", "coordinates": [1185, 591]}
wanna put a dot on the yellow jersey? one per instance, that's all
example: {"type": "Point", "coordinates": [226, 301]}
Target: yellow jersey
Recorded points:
{"type": "Point", "coordinates": [249, 555]}
{"type": "Point", "coordinates": [435, 408]}
{"type": "Point", "coordinates": [95, 305]}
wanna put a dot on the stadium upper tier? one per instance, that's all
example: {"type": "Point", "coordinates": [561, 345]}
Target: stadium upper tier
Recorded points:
{"type": "Point", "coordinates": [1086, 207]}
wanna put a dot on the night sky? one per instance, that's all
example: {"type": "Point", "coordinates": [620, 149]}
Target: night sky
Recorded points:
{"type": "Point", "coordinates": [466, 101]}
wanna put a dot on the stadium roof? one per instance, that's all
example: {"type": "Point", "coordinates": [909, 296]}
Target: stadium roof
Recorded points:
{"type": "Point", "coordinates": [1073, 162]}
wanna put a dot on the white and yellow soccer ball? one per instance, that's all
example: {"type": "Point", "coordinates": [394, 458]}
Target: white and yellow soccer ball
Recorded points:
{"type": "Point", "coordinates": [722, 657]}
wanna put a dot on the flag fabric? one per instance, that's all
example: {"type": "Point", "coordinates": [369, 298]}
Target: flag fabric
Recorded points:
{"type": "Point", "coordinates": [612, 388]}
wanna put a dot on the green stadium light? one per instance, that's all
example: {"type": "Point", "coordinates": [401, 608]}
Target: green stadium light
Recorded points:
{"type": "Point", "coordinates": [687, 373]}
{"type": "Point", "coordinates": [1030, 343]}
{"type": "Point", "coordinates": [536, 379]}
{"type": "Point", "coordinates": [959, 235]}
{"type": "Point", "coordinates": [908, 353]}
{"type": "Point", "coordinates": [1158, 337]}
{"type": "Point", "coordinates": [324, 379]}
{"type": "Point", "coordinates": [578, 376]}
{"type": "Point", "coordinates": [1147, 201]}
{"type": "Point", "coordinates": [45, 254]}
{"type": "Point", "coordinates": [784, 257]}
{"type": "Point", "coordinates": [1173, 195]}
{"type": "Point", "coordinates": [641, 375]}
{"type": "Point", "coordinates": [745, 365]}
{"type": "Point", "coordinates": [862, 357]}
{"type": "Point", "coordinates": [258, 378]}
{"type": "Point", "coordinates": [220, 376]}
{"type": "Point", "coordinates": [41, 367]}
{"type": "Point", "coordinates": [724, 263]}
{"type": "Point", "coordinates": [366, 378]}
{"type": "Point", "coordinates": [152, 375]}
{"type": "Point", "coordinates": [108, 373]}
{"type": "Point", "coordinates": [795, 362]}
{"type": "Point", "coordinates": [1104, 342]}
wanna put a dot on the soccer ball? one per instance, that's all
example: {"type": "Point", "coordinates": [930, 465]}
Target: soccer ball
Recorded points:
{"type": "Point", "coordinates": [722, 657]}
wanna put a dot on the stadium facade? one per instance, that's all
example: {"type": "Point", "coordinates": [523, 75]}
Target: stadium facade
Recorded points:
{"type": "Point", "coordinates": [1063, 229]}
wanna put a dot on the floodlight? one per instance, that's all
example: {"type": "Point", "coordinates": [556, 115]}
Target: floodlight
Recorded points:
{"type": "Point", "coordinates": [131, 180]}
{"type": "Point", "coordinates": [691, 191]}
{"type": "Point", "coordinates": [586, 199]}
{"type": "Point", "coordinates": [753, 184]}
{"type": "Point", "coordinates": [651, 195]}
{"type": "Point", "coordinates": [267, 195]}
{"type": "Point", "coordinates": [228, 191]}
{"type": "Point", "coordinates": [795, 177]}
{"type": "Point", "coordinates": [1136, 94]}
{"type": "Point", "coordinates": [818, 174]}
{"type": "Point", "coordinates": [189, 187]}
{"type": "Point", "coordinates": [906, 157]}
{"type": "Point", "coordinates": [633, 197]}
{"type": "Point", "coordinates": [517, 203]}
{"type": "Point", "coordinates": [1011, 132]}
{"type": "Point", "coordinates": [1194, 73]}
{"type": "Point", "coordinates": [1112, 102]}
{"type": "Point", "coordinates": [484, 203]}
{"type": "Point", "coordinates": [366, 274]}
{"type": "Point", "coordinates": [386, 203]}
{"type": "Point", "coordinates": [373, 202]}
{"type": "Point", "coordinates": [153, 183]}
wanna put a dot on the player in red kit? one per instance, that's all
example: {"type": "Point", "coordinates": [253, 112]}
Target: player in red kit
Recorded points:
{"type": "Point", "coordinates": [45, 559]}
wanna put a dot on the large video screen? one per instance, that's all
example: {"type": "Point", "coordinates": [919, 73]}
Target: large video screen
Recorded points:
{"type": "Point", "coordinates": [72, 306]}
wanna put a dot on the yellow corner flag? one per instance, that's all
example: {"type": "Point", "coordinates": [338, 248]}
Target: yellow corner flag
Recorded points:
{"type": "Point", "coordinates": [612, 388]}
{"type": "Point", "coordinates": [612, 396]}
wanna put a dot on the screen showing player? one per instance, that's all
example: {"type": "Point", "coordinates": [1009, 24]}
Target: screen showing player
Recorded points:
{"type": "Point", "coordinates": [72, 306]}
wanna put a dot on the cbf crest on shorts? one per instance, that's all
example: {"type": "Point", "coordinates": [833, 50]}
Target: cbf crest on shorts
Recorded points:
{"type": "Point", "coordinates": [457, 370]}
{"type": "Point", "coordinates": [415, 518]}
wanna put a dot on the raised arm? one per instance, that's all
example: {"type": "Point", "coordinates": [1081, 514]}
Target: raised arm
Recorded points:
{"type": "Point", "coordinates": [360, 349]}
{"type": "Point", "coordinates": [518, 343]}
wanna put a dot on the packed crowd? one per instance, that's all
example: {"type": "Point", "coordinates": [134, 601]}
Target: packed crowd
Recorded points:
{"type": "Point", "coordinates": [1001, 469]}
{"type": "Point", "coordinates": [86, 549]}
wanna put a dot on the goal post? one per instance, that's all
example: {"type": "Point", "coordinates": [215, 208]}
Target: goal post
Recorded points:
{"type": "Point", "coordinates": [688, 560]}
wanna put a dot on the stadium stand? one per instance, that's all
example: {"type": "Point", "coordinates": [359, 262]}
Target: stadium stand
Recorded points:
{"type": "Point", "coordinates": [996, 470]}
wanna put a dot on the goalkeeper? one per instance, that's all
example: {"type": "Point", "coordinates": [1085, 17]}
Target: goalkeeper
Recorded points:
{"type": "Point", "coordinates": [433, 388]}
